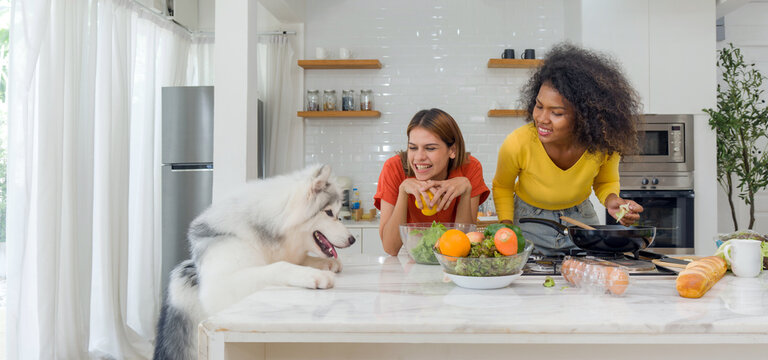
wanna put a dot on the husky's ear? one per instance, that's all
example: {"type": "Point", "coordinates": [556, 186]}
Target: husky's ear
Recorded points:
{"type": "Point", "coordinates": [320, 178]}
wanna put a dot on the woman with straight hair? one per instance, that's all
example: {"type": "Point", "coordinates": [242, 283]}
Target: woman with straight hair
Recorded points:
{"type": "Point", "coordinates": [436, 162]}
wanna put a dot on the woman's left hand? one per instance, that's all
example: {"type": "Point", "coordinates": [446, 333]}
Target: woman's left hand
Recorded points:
{"type": "Point", "coordinates": [613, 204]}
{"type": "Point", "coordinates": [447, 190]}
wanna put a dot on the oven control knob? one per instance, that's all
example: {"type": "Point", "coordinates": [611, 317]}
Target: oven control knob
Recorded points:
{"type": "Point", "coordinates": [655, 181]}
{"type": "Point", "coordinates": [644, 181]}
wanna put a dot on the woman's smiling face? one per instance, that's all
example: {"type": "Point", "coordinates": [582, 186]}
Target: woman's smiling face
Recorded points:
{"type": "Point", "coordinates": [553, 116]}
{"type": "Point", "coordinates": [428, 155]}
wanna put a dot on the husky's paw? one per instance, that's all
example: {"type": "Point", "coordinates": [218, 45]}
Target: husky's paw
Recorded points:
{"type": "Point", "coordinates": [333, 265]}
{"type": "Point", "coordinates": [329, 264]}
{"type": "Point", "coordinates": [315, 279]}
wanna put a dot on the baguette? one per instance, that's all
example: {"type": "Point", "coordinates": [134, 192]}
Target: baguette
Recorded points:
{"type": "Point", "coordinates": [699, 276]}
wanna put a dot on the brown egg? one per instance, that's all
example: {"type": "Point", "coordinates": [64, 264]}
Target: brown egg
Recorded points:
{"type": "Point", "coordinates": [618, 282]}
{"type": "Point", "coordinates": [565, 270]}
{"type": "Point", "coordinates": [578, 272]}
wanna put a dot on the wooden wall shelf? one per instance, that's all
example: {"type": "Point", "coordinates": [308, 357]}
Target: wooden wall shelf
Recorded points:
{"type": "Point", "coordinates": [345, 114]}
{"type": "Point", "coordinates": [340, 64]}
{"type": "Point", "coordinates": [507, 113]}
{"type": "Point", "coordinates": [514, 63]}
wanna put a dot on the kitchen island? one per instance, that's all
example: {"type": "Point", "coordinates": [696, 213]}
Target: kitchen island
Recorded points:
{"type": "Point", "coordinates": [390, 307]}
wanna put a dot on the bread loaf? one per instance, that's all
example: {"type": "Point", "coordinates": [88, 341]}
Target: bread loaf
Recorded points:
{"type": "Point", "coordinates": [699, 276]}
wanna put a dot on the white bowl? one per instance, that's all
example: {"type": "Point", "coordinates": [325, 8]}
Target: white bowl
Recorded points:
{"type": "Point", "coordinates": [483, 282]}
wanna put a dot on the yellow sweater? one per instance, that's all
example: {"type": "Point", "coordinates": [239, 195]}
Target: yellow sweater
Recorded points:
{"type": "Point", "coordinates": [525, 169]}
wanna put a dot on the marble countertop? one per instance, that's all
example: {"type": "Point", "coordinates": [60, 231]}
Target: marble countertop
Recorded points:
{"type": "Point", "coordinates": [393, 299]}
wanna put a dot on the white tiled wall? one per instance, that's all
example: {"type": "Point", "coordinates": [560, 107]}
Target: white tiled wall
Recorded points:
{"type": "Point", "coordinates": [434, 54]}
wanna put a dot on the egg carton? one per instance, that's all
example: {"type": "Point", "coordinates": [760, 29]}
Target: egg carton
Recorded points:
{"type": "Point", "coordinates": [595, 276]}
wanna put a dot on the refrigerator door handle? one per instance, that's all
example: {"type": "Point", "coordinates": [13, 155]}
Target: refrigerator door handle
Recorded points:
{"type": "Point", "coordinates": [191, 167]}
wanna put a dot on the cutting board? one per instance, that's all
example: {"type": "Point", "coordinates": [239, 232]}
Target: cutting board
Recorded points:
{"type": "Point", "coordinates": [665, 264]}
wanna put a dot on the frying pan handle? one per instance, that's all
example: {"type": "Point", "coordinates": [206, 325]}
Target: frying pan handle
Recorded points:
{"type": "Point", "coordinates": [551, 223]}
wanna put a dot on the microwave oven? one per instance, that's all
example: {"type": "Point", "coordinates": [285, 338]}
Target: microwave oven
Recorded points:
{"type": "Point", "coordinates": [665, 144]}
{"type": "Point", "coordinates": [664, 159]}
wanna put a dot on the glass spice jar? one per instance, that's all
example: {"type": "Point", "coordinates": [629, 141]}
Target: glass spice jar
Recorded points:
{"type": "Point", "coordinates": [313, 100]}
{"type": "Point", "coordinates": [329, 100]}
{"type": "Point", "coordinates": [366, 100]}
{"type": "Point", "coordinates": [348, 100]}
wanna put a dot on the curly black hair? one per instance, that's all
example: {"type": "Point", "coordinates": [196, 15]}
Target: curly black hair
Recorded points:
{"type": "Point", "coordinates": [607, 107]}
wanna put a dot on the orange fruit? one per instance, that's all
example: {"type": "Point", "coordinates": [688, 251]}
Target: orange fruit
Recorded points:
{"type": "Point", "coordinates": [427, 210]}
{"type": "Point", "coordinates": [454, 243]}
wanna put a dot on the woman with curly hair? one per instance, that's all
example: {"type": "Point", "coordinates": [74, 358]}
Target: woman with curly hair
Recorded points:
{"type": "Point", "coordinates": [583, 115]}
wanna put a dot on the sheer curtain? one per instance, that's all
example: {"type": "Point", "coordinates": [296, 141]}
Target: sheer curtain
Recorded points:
{"type": "Point", "coordinates": [277, 84]}
{"type": "Point", "coordinates": [83, 174]}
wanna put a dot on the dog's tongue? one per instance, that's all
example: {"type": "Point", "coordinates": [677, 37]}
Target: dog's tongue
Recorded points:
{"type": "Point", "coordinates": [325, 246]}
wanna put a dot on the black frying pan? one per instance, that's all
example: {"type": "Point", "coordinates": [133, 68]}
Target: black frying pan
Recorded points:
{"type": "Point", "coordinates": [605, 238]}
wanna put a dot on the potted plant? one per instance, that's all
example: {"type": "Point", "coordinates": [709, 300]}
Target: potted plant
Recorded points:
{"type": "Point", "coordinates": [741, 123]}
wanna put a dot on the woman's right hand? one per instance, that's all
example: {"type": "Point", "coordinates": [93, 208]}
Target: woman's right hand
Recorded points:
{"type": "Point", "coordinates": [417, 188]}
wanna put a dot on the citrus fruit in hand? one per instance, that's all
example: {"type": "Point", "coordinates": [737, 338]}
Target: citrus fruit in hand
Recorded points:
{"type": "Point", "coordinates": [505, 240]}
{"type": "Point", "coordinates": [454, 243]}
{"type": "Point", "coordinates": [425, 209]}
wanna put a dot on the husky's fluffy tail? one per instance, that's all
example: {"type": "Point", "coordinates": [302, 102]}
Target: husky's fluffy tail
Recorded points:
{"type": "Point", "coordinates": [176, 328]}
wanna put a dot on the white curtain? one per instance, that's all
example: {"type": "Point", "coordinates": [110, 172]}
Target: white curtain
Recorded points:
{"type": "Point", "coordinates": [83, 174]}
{"type": "Point", "coordinates": [284, 131]}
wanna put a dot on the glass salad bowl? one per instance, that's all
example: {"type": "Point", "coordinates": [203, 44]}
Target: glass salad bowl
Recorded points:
{"type": "Point", "coordinates": [420, 238]}
{"type": "Point", "coordinates": [485, 266]}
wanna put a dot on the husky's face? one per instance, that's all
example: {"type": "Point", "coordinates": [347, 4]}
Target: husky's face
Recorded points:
{"type": "Point", "coordinates": [329, 233]}
{"type": "Point", "coordinates": [327, 230]}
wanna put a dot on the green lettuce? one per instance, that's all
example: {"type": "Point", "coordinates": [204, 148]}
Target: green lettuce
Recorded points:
{"type": "Point", "coordinates": [422, 252]}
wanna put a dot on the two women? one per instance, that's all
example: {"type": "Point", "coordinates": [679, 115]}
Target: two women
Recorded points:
{"type": "Point", "coordinates": [582, 114]}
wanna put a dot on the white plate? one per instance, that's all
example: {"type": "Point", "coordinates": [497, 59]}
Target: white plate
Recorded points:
{"type": "Point", "coordinates": [483, 282]}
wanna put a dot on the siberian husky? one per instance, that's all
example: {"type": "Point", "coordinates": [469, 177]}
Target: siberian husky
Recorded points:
{"type": "Point", "coordinates": [259, 237]}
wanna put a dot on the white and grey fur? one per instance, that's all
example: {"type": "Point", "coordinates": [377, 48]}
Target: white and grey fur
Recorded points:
{"type": "Point", "coordinates": [256, 238]}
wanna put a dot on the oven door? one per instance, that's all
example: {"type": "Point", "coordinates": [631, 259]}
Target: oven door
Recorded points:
{"type": "Point", "coordinates": [671, 212]}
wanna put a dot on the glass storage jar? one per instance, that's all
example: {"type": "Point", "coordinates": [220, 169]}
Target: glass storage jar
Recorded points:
{"type": "Point", "coordinates": [329, 100]}
{"type": "Point", "coordinates": [348, 100]}
{"type": "Point", "coordinates": [313, 100]}
{"type": "Point", "coordinates": [366, 100]}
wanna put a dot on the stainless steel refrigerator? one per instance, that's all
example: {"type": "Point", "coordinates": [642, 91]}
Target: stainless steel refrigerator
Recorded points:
{"type": "Point", "coordinates": [187, 167]}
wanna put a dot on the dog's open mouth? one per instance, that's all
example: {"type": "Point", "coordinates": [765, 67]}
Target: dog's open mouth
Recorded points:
{"type": "Point", "coordinates": [325, 246]}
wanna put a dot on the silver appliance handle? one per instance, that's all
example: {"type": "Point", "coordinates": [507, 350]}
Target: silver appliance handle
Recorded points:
{"type": "Point", "coordinates": [191, 167]}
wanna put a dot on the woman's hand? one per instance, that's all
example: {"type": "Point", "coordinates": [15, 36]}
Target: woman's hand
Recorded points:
{"type": "Point", "coordinates": [613, 204]}
{"type": "Point", "coordinates": [417, 188]}
{"type": "Point", "coordinates": [445, 191]}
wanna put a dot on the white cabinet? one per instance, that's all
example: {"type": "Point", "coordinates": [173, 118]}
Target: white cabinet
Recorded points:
{"type": "Point", "coordinates": [357, 247]}
{"type": "Point", "coordinates": [666, 49]}
{"type": "Point", "coordinates": [372, 244]}
{"type": "Point", "coordinates": [368, 240]}
{"type": "Point", "coordinates": [683, 56]}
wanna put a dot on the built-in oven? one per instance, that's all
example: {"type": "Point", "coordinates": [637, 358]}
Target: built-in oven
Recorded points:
{"type": "Point", "coordinates": [660, 178]}
{"type": "Point", "coordinates": [671, 212]}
